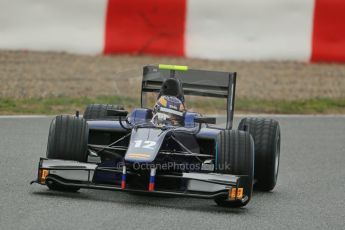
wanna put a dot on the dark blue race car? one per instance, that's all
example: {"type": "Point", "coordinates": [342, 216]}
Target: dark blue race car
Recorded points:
{"type": "Point", "coordinates": [166, 149]}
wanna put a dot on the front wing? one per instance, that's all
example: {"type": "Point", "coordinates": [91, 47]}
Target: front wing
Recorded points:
{"type": "Point", "coordinates": [198, 185]}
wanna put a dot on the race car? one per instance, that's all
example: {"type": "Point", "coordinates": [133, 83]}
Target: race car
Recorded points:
{"type": "Point", "coordinates": [165, 149]}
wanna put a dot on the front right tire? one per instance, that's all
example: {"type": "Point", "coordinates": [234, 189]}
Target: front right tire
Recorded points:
{"type": "Point", "coordinates": [67, 140]}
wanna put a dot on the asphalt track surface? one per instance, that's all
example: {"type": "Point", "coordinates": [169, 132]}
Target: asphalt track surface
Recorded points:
{"type": "Point", "coordinates": [309, 193]}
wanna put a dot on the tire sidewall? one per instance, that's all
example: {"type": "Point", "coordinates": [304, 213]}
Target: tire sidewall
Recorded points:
{"type": "Point", "coordinates": [276, 156]}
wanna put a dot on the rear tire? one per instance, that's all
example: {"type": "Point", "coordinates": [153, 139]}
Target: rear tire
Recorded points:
{"type": "Point", "coordinates": [67, 140]}
{"type": "Point", "coordinates": [235, 155]}
{"type": "Point", "coordinates": [266, 135]}
{"type": "Point", "coordinates": [99, 111]}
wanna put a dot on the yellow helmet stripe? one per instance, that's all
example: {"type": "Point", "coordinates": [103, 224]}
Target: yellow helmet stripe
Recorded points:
{"type": "Point", "coordinates": [163, 101]}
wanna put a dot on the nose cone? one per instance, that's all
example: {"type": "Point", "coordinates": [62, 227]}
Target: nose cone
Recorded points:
{"type": "Point", "coordinates": [144, 145]}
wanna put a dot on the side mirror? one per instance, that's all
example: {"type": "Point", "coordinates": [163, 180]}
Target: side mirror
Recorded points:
{"type": "Point", "coordinates": [116, 113]}
{"type": "Point", "coordinates": [205, 120]}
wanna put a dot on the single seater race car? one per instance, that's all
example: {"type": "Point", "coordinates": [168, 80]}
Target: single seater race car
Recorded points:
{"type": "Point", "coordinates": [167, 149]}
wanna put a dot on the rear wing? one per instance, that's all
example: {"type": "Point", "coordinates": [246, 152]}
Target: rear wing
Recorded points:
{"type": "Point", "coordinates": [194, 82]}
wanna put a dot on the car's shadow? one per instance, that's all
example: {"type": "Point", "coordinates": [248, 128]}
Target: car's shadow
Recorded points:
{"type": "Point", "coordinates": [133, 200]}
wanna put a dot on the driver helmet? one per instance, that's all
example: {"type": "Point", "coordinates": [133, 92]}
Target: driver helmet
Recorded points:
{"type": "Point", "coordinates": [168, 110]}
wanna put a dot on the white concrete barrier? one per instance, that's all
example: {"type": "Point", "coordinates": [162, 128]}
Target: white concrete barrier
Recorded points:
{"type": "Point", "coordinates": [75, 26]}
{"type": "Point", "coordinates": [250, 29]}
{"type": "Point", "coordinates": [308, 30]}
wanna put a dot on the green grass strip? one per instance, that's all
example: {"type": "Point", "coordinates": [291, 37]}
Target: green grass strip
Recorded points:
{"type": "Point", "coordinates": [67, 105]}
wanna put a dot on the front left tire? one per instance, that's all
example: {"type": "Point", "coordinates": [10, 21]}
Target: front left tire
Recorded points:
{"type": "Point", "coordinates": [235, 155]}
